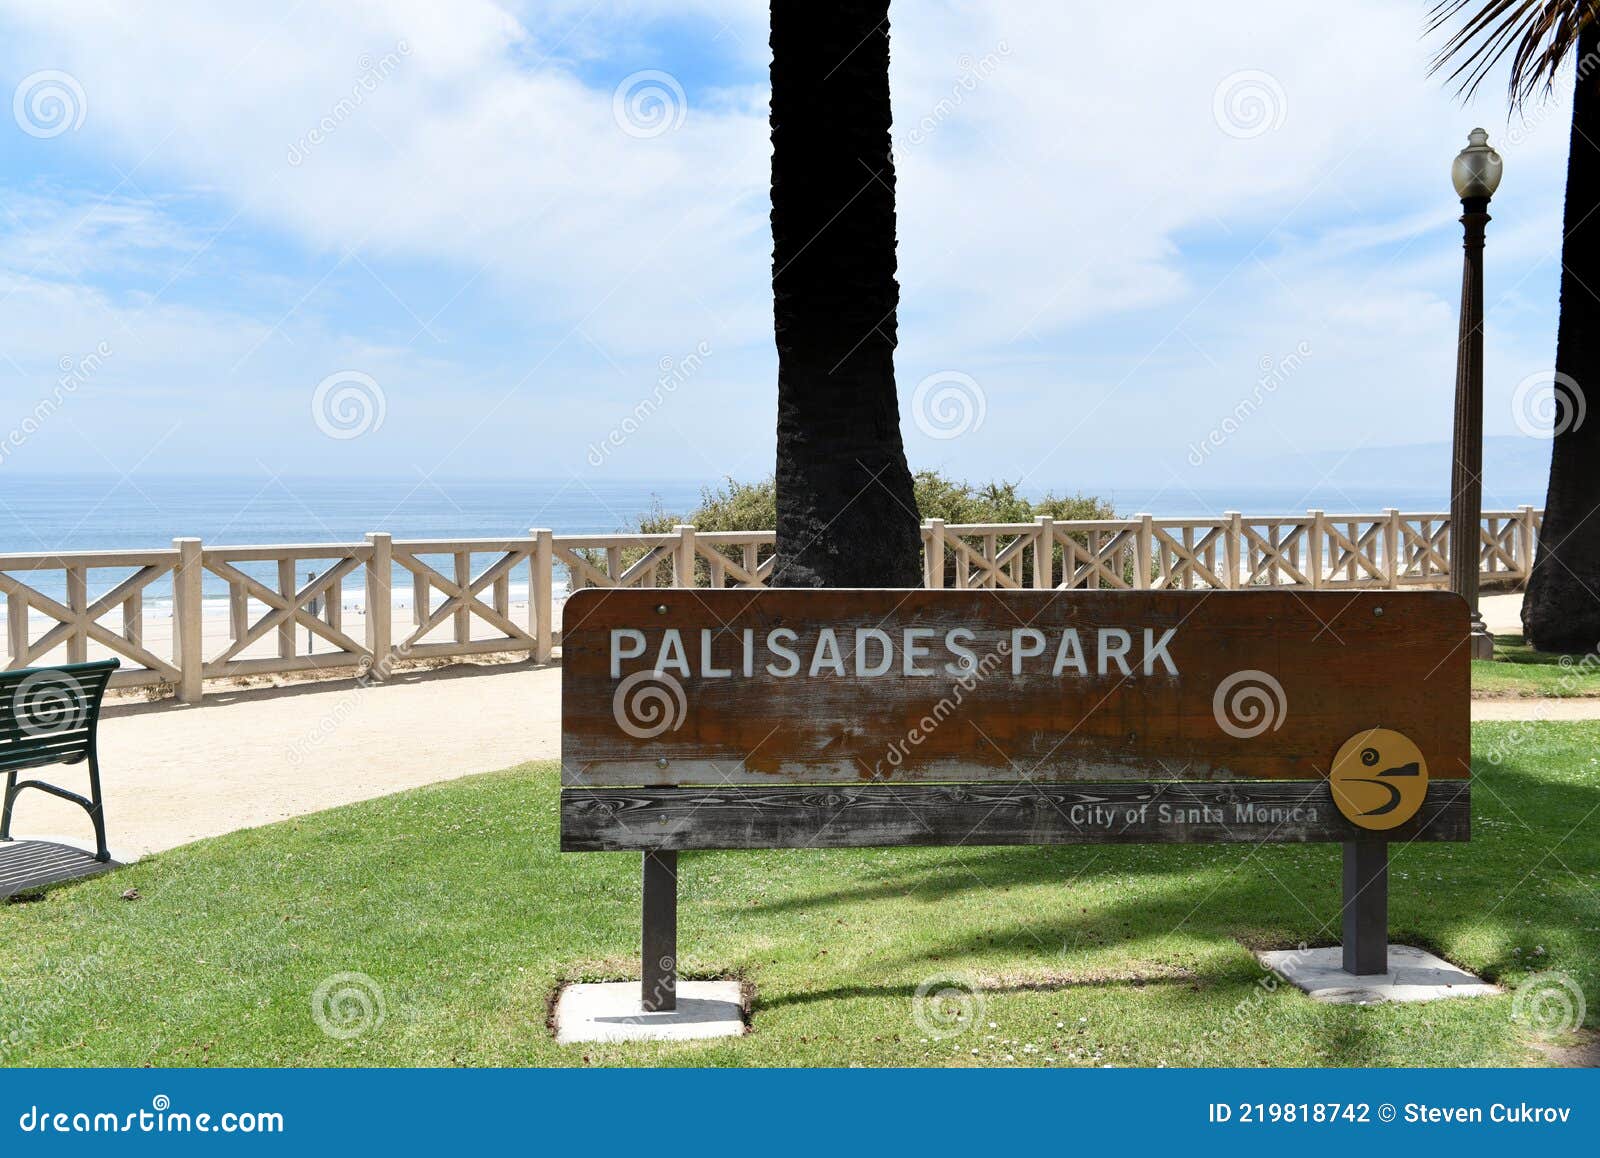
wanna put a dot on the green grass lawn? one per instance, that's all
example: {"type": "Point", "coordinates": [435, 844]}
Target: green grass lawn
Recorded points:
{"type": "Point", "coordinates": [1518, 670]}
{"type": "Point", "coordinates": [454, 900]}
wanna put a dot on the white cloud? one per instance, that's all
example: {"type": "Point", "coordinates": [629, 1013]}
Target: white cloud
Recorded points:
{"type": "Point", "coordinates": [1082, 188]}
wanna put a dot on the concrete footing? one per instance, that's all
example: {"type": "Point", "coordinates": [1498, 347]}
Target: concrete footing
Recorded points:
{"type": "Point", "coordinates": [1414, 975]}
{"type": "Point", "coordinates": [611, 1012]}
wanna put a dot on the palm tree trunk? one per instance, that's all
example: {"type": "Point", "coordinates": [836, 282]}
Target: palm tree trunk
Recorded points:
{"type": "Point", "coordinates": [1561, 611]}
{"type": "Point", "coordinates": [846, 513]}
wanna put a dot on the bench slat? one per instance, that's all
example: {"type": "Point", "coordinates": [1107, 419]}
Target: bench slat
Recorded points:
{"type": "Point", "coordinates": [14, 757]}
{"type": "Point", "coordinates": [10, 730]}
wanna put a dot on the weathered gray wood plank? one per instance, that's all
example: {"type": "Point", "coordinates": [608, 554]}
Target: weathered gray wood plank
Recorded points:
{"type": "Point", "coordinates": [617, 819]}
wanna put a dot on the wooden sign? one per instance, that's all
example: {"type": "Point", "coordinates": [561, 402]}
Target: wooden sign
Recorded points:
{"type": "Point", "coordinates": [784, 718]}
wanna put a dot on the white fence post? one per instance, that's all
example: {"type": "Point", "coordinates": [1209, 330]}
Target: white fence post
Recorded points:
{"type": "Point", "coordinates": [1142, 554]}
{"type": "Point", "coordinates": [17, 629]}
{"type": "Point", "coordinates": [78, 600]}
{"type": "Point", "coordinates": [1044, 553]}
{"type": "Point", "coordinates": [380, 603]}
{"type": "Point", "coordinates": [188, 618]}
{"type": "Point", "coordinates": [287, 586]}
{"type": "Point", "coordinates": [462, 626]}
{"type": "Point", "coordinates": [1391, 548]}
{"type": "Point", "coordinates": [683, 560]}
{"type": "Point", "coordinates": [1233, 548]}
{"type": "Point", "coordinates": [1527, 541]}
{"type": "Point", "coordinates": [933, 555]}
{"type": "Point", "coordinates": [133, 619]}
{"type": "Point", "coordinates": [541, 599]}
{"type": "Point", "coordinates": [1314, 543]}
{"type": "Point", "coordinates": [238, 611]}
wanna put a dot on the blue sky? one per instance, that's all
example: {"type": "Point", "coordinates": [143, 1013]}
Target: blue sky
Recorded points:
{"type": "Point", "coordinates": [1112, 231]}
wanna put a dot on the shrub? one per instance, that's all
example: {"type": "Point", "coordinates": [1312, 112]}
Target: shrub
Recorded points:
{"type": "Point", "coordinates": [733, 506]}
{"type": "Point", "coordinates": [739, 506]}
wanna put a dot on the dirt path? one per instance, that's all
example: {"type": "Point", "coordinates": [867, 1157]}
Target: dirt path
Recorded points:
{"type": "Point", "coordinates": [173, 774]}
{"type": "Point", "coordinates": [1572, 708]}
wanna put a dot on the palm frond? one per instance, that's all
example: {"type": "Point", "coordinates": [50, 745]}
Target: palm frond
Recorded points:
{"type": "Point", "coordinates": [1539, 35]}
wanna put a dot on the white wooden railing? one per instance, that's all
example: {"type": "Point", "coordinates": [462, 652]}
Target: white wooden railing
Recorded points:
{"type": "Point", "coordinates": [461, 591]}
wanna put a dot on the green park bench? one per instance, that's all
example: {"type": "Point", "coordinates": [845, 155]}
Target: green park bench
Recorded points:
{"type": "Point", "coordinates": [49, 715]}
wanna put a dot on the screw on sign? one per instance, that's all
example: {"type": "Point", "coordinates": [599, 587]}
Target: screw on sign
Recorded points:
{"type": "Point", "coordinates": [729, 719]}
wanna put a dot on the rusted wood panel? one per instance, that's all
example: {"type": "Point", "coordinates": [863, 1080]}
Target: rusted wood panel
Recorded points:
{"type": "Point", "coordinates": [1115, 703]}
{"type": "Point", "coordinates": [857, 816]}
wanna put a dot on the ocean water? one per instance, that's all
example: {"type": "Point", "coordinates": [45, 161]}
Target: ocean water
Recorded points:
{"type": "Point", "coordinates": [81, 513]}
{"type": "Point", "coordinates": [103, 512]}
{"type": "Point", "coordinates": [100, 512]}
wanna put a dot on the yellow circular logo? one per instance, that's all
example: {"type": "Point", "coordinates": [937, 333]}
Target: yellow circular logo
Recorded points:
{"type": "Point", "coordinates": [1379, 779]}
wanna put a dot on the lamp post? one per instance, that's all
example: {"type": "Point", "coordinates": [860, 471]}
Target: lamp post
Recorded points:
{"type": "Point", "coordinates": [1476, 175]}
